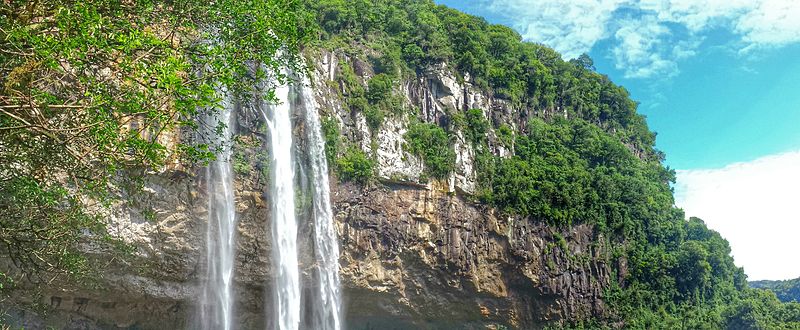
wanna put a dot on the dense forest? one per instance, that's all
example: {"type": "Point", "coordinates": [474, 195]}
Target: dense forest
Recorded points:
{"type": "Point", "coordinates": [90, 88]}
{"type": "Point", "coordinates": [788, 290]}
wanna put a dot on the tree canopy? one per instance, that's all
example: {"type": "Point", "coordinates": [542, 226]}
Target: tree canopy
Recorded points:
{"type": "Point", "coordinates": [96, 93]}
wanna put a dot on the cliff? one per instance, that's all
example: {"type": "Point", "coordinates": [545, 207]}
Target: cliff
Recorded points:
{"type": "Point", "coordinates": [415, 254]}
{"type": "Point", "coordinates": [477, 181]}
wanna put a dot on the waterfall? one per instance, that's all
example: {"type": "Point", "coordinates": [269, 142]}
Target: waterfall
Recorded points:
{"type": "Point", "coordinates": [325, 302]}
{"type": "Point", "coordinates": [327, 307]}
{"type": "Point", "coordinates": [284, 224]}
{"type": "Point", "coordinates": [217, 301]}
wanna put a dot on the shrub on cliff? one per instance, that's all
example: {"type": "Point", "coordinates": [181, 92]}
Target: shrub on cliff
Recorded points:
{"type": "Point", "coordinates": [431, 143]}
{"type": "Point", "coordinates": [355, 165]}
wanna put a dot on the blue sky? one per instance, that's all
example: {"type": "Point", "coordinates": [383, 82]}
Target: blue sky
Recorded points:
{"type": "Point", "coordinates": [719, 80]}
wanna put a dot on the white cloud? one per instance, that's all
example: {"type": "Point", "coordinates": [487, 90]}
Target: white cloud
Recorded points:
{"type": "Point", "coordinates": [641, 44]}
{"type": "Point", "coordinates": [754, 205]}
{"type": "Point", "coordinates": [697, 15]}
{"type": "Point", "coordinates": [771, 23]}
{"type": "Point", "coordinates": [571, 28]}
{"type": "Point", "coordinates": [638, 48]}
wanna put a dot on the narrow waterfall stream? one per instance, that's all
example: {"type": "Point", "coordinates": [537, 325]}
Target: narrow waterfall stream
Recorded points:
{"type": "Point", "coordinates": [327, 307]}
{"type": "Point", "coordinates": [217, 299]}
{"type": "Point", "coordinates": [324, 310]}
{"type": "Point", "coordinates": [284, 222]}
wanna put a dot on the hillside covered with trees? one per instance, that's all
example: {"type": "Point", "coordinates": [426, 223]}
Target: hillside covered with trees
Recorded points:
{"type": "Point", "coordinates": [788, 290]}
{"type": "Point", "coordinates": [585, 156]}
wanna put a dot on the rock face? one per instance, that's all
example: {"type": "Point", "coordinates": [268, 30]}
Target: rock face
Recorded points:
{"type": "Point", "coordinates": [415, 255]}
{"type": "Point", "coordinates": [419, 258]}
{"type": "Point", "coordinates": [393, 162]}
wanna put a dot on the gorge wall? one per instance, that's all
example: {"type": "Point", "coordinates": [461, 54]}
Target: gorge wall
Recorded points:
{"type": "Point", "coordinates": [415, 253]}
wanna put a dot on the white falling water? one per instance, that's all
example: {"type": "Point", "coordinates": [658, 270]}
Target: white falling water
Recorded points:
{"type": "Point", "coordinates": [217, 301]}
{"type": "Point", "coordinates": [284, 223]}
{"type": "Point", "coordinates": [327, 308]}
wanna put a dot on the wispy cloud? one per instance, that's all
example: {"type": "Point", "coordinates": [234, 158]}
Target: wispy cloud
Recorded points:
{"type": "Point", "coordinates": [770, 23]}
{"type": "Point", "coordinates": [643, 43]}
{"type": "Point", "coordinates": [755, 206]}
{"type": "Point", "coordinates": [638, 49]}
{"type": "Point", "coordinates": [571, 27]}
{"type": "Point", "coordinates": [697, 15]}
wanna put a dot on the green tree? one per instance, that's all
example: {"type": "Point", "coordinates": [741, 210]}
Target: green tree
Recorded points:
{"type": "Point", "coordinates": [432, 144]}
{"type": "Point", "coordinates": [355, 165]}
{"type": "Point", "coordinates": [584, 61]}
{"type": "Point", "coordinates": [93, 94]}
{"type": "Point", "coordinates": [379, 88]}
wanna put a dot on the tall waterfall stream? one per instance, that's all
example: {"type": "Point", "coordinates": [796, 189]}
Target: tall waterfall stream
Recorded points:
{"type": "Point", "coordinates": [328, 305]}
{"type": "Point", "coordinates": [217, 300]}
{"type": "Point", "coordinates": [284, 222]}
{"type": "Point", "coordinates": [217, 305]}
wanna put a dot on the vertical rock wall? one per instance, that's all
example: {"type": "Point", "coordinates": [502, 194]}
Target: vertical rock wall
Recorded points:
{"type": "Point", "coordinates": [415, 255]}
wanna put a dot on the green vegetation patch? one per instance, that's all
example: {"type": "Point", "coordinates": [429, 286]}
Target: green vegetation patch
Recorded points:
{"type": "Point", "coordinates": [332, 135]}
{"type": "Point", "coordinates": [431, 143]}
{"type": "Point", "coordinates": [355, 165]}
{"type": "Point", "coordinates": [788, 290]}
